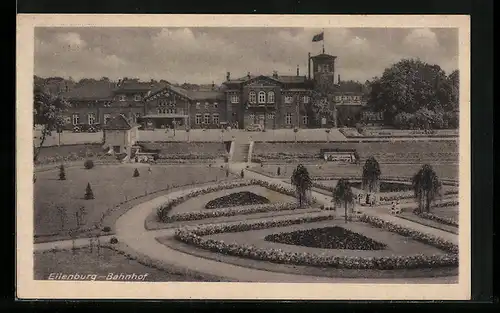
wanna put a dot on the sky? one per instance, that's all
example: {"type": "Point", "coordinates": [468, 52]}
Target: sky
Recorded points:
{"type": "Point", "coordinates": [203, 55]}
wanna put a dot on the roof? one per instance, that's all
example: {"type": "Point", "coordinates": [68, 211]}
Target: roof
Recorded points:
{"type": "Point", "coordinates": [165, 116]}
{"type": "Point", "coordinates": [118, 122]}
{"type": "Point", "coordinates": [96, 90]}
{"type": "Point", "coordinates": [134, 85]}
{"type": "Point", "coordinates": [206, 95]}
{"type": "Point", "coordinates": [323, 56]}
{"type": "Point", "coordinates": [285, 79]}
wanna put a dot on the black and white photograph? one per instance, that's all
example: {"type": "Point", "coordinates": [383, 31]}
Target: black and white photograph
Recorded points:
{"type": "Point", "coordinates": [323, 155]}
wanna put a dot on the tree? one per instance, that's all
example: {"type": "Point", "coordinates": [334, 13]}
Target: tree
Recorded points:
{"type": "Point", "coordinates": [48, 115]}
{"type": "Point", "coordinates": [242, 174]}
{"type": "Point", "coordinates": [342, 193]}
{"type": "Point", "coordinates": [371, 175]}
{"type": "Point", "coordinates": [426, 186]}
{"type": "Point", "coordinates": [89, 194]}
{"type": "Point", "coordinates": [62, 173]}
{"type": "Point", "coordinates": [302, 182]}
{"type": "Point", "coordinates": [408, 86]}
{"type": "Point", "coordinates": [136, 173]}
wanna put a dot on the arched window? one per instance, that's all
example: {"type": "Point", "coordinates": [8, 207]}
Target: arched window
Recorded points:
{"type": "Point", "coordinates": [262, 97]}
{"type": "Point", "coordinates": [252, 97]}
{"type": "Point", "coordinates": [270, 97]}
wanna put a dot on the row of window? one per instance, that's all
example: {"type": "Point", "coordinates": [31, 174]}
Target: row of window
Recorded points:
{"type": "Point", "coordinates": [124, 97]}
{"type": "Point", "coordinates": [262, 97]}
{"type": "Point", "coordinates": [206, 119]}
{"type": "Point", "coordinates": [170, 111]}
{"type": "Point", "coordinates": [288, 118]}
{"type": "Point", "coordinates": [198, 105]}
{"type": "Point", "coordinates": [93, 119]}
{"type": "Point", "coordinates": [350, 98]}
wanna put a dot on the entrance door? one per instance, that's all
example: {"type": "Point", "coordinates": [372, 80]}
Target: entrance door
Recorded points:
{"type": "Point", "coordinates": [262, 120]}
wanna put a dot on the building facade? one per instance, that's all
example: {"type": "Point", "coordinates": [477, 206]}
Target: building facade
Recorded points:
{"type": "Point", "coordinates": [271, 101]}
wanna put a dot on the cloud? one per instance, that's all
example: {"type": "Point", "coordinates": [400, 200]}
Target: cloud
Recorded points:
{"type": "Point", "coordinates": [203, 55]}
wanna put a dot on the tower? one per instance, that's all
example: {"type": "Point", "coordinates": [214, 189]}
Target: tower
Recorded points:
{"type": "Point", "coordinates": [323, 69]}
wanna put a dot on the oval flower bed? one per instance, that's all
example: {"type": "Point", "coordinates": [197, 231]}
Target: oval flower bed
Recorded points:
{"type": "Point", "coordinates": [163, 211]}
{"type": "Point", "coordinates": [195, 237]}
{"type": "Point", "coordinates": [199, 215]}
{"type": "Point", "coordinates": [236, 199]}
{"type": "Point", "coordinates": [327, 238]}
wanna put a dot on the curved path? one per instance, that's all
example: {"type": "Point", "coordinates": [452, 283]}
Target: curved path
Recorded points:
{"type": "Point", "coordinates": [130, 229]}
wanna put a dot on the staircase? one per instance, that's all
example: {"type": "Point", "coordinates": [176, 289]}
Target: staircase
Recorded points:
{"type": "Point", "coordinates": [240, 153]}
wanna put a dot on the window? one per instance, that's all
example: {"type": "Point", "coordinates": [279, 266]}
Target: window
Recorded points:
{"type": "Point", "coordinates": [344, 98]}
{"type": "Point", "coordinates": [197, 105]}
{"type": "Point", "coordinates": [270, 116]}
{"type": "Point", "coordinates": [338, 98]}
{"type": "Point", "coordinates": [252, 97]}
{"type": "Point", "coordinates": [137, 116]}
{"type": "Point", "coordinates": [181, 111]}
{"type": "Point", "coordinates": [288, 118]}
{"type": "Point", "coordinates": [270, 97]}
{"type": "Point", "coordinates": [122, 98]}
{"type": "Point", "coordinates": [161, 111]}
{"type": "Point", "coordinates": [197, 120]}
{"type": "Point", "coordinates": [107, 117]}
{"type": "Point", "coordinates": [206, 118]}
{"type": "Point", "coordinates": [216, 105]}
{"type": "Point", "coordinates": [215, 119]}
{"type": "Point", "coordinates": [305, 119]}
{"type": "Point", "coordinates": [91, 118]}
{"type": "Point", "coordinates": [137, 98]}
{"type": "Point", "coordinates": [75, 119]}
{"type": "Point", "coordinates": [288, 99]}
{"type": "Point", "coordinates": [206, 105]}
{"type": "Point", "coordinates": [252, 117]}
{"type": "Point", "coordinates": [67, 119]}
{"type": "Point", "coordinates": [262, 97]}
{"type": "Point", "coordinates": [305, 99]}
{"type": "Point", "coordinates": [235, 98]}
{"type": "Point", "coordinates": [170, 111]}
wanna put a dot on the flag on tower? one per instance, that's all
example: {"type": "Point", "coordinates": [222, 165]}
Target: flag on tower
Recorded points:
{"type": "Point", "coordinates": [318, 37]}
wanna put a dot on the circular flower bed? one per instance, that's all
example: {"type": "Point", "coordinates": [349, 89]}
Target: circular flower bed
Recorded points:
{"type": "Point", "coordinates": [327, 238]}
{"type": "Point", "coordinates": [236, 199]}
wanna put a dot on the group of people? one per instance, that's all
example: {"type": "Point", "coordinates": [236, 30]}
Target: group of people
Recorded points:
{"type": "Point", "coordinates": [395, 208]}
{"type": "Point", "coordinates": [369, 198]}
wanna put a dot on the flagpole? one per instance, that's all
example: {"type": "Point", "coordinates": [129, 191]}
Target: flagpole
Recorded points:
{"type": "Point", "coordinates": [323, 41]}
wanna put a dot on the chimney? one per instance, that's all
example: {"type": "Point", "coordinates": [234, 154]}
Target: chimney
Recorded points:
{"type": "Point", "coordinates": [275, 74]}
{"type": "Point", "coordinates": [248, 75]}
{"type": "Point", "coordinates": [309, 65]}
{"type": "Point", "coordinates": [338, 81]}
{"type": "Point", "coordinates": [213, 85]}
{"type": "Point", "coordinates": [297, 70]}
{"type": "Point", "coordinates": [228, 76]}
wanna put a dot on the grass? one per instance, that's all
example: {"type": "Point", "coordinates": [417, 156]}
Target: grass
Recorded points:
{"type": "Point", "coordinates": [111, 185]}
{"type": "Point", "coordinates": [327, 238]}
{"type": "Point", "coordinates": [322, 169]}
{"type": "Point", "coordinates": [91, 262]}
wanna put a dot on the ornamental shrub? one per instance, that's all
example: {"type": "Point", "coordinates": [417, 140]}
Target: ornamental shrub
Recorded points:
{"type": "Point", "coordinates": [136, 173]}
{"type": "Point", "coordinates": [89, 194]}
{"type": "Point", "coordinates": [62, 173]}
{"type": "Point", "coordinates": [89, 164]}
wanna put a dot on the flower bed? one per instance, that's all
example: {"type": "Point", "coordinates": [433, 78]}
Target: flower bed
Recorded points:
{"type": "Point", "coordinates": [327, 238]}
{"type": "Point", "coordinates": [236, 199]}
{"type": "Point", "coordinates": [437, 218]}
{"type": "Point", "coordinates": [190, 156]}
{"type": "Point", "coordinates": [410, 195]}
{"type": "Point", "coordinates": [194, 237]}
{"type": "Point", "coordinates": [445, 204]}
{"type": "Point", "coordinates": [164, 209]}
{"type": "Point", "coordinates": [415, 235]}
{"type": "Point", "coordinates": [199, 215]}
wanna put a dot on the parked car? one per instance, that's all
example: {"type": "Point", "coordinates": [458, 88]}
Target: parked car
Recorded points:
{"type": "Point", "coordinates": [254, 128]}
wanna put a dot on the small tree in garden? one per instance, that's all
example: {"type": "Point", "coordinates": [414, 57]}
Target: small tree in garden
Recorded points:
{"type": "Point", "coordinates": [62, 216]}
{"type": "Point", "coordinates": [302, 182]}
{"type": "Point", "coordinates": [89, 194]}
{"type": "Point", "coordinates": [242, 174]}
{"type": "Point", "coordinates": [426, 186]}
{"type": "Point", "coordinates": [89, 164]}
{"type": "Point", "coordinates": [62, 173]}
{"type": "Point", "coordinates": [227, 173]}
{"type": "Point", "coordinates": [136, 173]}
{"type": "Point", "coordinates": [342, 193]}
{"type": "Point", "coordinates": [371, 175]}
{"type": "Point", "coordinates": [278, 171]}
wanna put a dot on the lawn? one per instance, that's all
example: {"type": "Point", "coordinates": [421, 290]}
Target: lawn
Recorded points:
{"type": "Point", "coordinates": [321, 169]}
{"type": "Point", "coordinates": [111, 185]}
{"type": "Point", "coordinates": [85, 262]}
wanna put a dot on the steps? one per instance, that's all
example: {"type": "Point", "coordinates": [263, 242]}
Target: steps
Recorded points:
{"type": "Point", "coordinates": [240, 153]}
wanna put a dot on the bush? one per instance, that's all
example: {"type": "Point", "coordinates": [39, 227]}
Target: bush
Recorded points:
{"type": "Point", "coordinates": [62, 173]}
{"type": "Point", "coordinates": [278, 171]}
{"type": "Point", "coordinates": [89, 194]}
{"type": "Point", "coordinates": [236, 199]}
{"type": "Point", "coordinates": [113, 240]}
{"type": "Point", "coordinates": [106, 229]}
{"type": "Point", "coordinates": [136, 173]}
{"type": "Point", "coordinates": [226, 159]}
{"type": "Point", "coordinates": [88, 164]}
{"type": "Point", "coordinates": [242, 174]}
